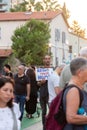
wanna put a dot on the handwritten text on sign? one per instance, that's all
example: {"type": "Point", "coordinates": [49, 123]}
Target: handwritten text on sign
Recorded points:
{"type": "Point", "coordinates": [43, 73]}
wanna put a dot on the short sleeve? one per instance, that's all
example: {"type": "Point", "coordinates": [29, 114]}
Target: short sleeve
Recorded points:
{"type": "Point", "coordinates": [56, 81]}
{"type": "Point", "coordinates": [65, 76]}
{"type": "Point", "coordinates": [27, 80]}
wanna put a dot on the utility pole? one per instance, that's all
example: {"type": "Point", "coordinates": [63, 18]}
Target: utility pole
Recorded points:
{"type": "Point", "coordinates": [78, 45]}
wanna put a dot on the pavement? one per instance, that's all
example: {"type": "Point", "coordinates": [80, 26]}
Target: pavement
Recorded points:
{"type": "Point", "coordinates": [32, 123]}
{"type": "Point", "coordinates": [36, 126]}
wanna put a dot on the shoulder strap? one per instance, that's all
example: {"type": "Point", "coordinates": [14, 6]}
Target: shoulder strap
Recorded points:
{"type": "Point", "coordinates": [15, 126]}
{"type": "Point", "coordinates": [80, 92]}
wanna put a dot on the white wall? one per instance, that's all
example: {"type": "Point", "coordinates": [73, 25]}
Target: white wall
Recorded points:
{"type": "Point", "coordinates": [7, 29]}
{"type": "Point", "coordinates": [58, 23]}
{"type": "Point", "coordinates": [57, 47]}
{"type": "Point", "coordinates": [77, 43]}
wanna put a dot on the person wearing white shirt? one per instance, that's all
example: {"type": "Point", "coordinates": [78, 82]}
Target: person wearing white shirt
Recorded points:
{"type": "Point", "coordinates": [9, 111]}
{"type": "Point", "coordinates": [53, 82]}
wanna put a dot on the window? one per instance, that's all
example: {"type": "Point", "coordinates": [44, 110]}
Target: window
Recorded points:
{"type": "Point", "coordinates": [63, 37]}
{"type": "Point", "coordinates": [57, 35]}
{"type": "Point", "coordinates": [70, 49]}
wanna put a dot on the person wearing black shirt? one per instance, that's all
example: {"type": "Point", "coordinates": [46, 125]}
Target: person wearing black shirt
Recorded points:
{"type": "Point", "coordinates": [7, 70]}
{"type": "Point", "coordinates": [21, 89]}
{"type": "Point", "coordinates": [44, 91]}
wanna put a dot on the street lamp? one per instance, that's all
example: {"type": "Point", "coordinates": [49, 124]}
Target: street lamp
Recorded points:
{"type": "Point", "coordinates": [78, 44]}
{"type": "Point", "coordinates": [75, 55]}
{"type": "Point", "coordinates": [49, 48]}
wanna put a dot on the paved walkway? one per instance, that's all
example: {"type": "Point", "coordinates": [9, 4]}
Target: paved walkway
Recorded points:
{"type": "Point", "coordinates": [36, 126]}
{"type": "Point", "coordinates": [28, 124]}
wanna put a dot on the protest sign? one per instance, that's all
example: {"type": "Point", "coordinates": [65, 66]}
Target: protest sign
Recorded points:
{"type": "Point", "coordinates": [43, 73]}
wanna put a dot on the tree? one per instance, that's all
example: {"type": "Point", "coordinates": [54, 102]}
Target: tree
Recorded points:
{"type": "Point", "coordinates": [77, 29]}
{"type": "Point", "coordinates": [30, 42]}
{"type": "Point", "coordinates": [65, 11]}
{"type": "Point", "coordinates": [47, 5]}
{"type": "Point", "coordinates": [32, 5]}
{"type": "Point", "coordinates": [20, 7]}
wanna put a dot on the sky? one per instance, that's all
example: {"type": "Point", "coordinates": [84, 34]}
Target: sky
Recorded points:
{"type": "Point", "coordinates": [78, 11]}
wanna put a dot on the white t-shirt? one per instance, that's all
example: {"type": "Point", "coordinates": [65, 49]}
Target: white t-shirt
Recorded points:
{"type": "Point", "coordinates": [6, 117]}
{"type": "Point", "coordinates": [53, 81]}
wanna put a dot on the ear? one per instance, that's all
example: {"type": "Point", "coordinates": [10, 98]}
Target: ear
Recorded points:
{"type": "Point", "coordinates": [80, 73]}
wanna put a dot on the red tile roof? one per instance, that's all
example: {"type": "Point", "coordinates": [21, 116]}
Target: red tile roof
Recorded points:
{"type": "Point", "coordinates": [10, 16]}
{"type": "Point", "coordinates": [5, 52]}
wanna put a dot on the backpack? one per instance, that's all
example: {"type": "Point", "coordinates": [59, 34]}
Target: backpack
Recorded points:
{"type": "Point", "coordinates": [56, 119]}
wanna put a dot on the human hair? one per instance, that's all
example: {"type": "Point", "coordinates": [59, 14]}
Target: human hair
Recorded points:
{"type": "Point", "coordinates": [21, 67]}
{"type": "Point", "coordinates": [83, 52]}
{"type": "Point", "coordinates": [33, 67]}
{"type": "Point", "coordinates": [78, 64]}
{"type": "Point", "coordinates": [31, 74]}
{"type": "Point", "coordinates": [8, 66]}
{"type": "Point", "coordinates": [23, 64]}
{"type": "Point", "coordinates": [3, 81]}
{"type": "Point", "coordinates": [46, 55]}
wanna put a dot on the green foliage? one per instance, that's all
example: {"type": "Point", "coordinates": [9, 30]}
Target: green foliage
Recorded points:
{"type": "Point", "coordinates": [33, 5]}
{"type": "Point", "coordinates": [66, 12]}
{"type": "Point", "coordinates": [77, 29]}
{"type": "Point", "coordinates": [13, 62]}
{"type": "Point", "coordinates": [20, 7]}
{"type": "Point", "coordinates": [30, 42]}
{"type": "Point", "coordinates": [47, 5]}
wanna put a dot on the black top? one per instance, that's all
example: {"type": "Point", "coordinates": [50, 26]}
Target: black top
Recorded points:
{"type": "Point", "coordinates": [44, 90]}
{"type": "Point", "coordinates": [83, 104]}
{"type": "Point", "coordinates": [21, 85]}
{"type": "Point", "coordinates": [9, 74]}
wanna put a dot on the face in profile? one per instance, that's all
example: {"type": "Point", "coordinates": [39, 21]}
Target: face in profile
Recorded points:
{"type": "Point", "coordinates": [6, 93]}
{"type": "Point", "coordinates": [84, 75]}
{"type": "Point", "coordinates": [5, 69]}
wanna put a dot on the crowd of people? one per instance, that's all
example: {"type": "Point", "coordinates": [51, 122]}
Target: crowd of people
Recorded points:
{"type": "Point", "coordinates": [19, 92]}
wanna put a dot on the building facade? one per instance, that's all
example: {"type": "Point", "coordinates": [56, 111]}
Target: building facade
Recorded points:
{"type": "Point", "coordinates": [3, 6]}
{"type": "Point", "coordinates": [61, 39]}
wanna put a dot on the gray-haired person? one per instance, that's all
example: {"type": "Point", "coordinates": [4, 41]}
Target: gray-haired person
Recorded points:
{"type": "Point", "coordinates": [71, 97]}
